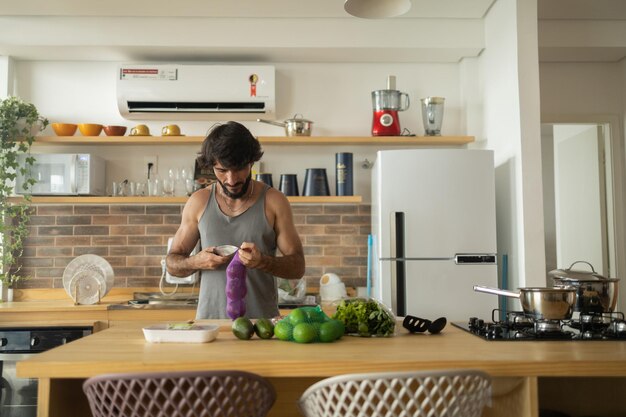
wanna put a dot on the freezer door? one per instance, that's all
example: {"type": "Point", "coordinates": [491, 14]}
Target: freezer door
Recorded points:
{"type": "Point", "coordinates": [447, 197]}
{"type": "Point", "coordinates": [445, 289]}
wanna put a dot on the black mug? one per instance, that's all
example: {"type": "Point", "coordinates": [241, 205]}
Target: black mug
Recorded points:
{"type": "Point", "coordinates": [289, 184]}
{"type": "Point", "coordinates": [316, 182]}
{"type": "Point", "coordinates": [266, 178]}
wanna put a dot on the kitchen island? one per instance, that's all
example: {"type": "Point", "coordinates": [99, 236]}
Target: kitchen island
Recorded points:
{"type": "Point", "coordinates": [517, 367]}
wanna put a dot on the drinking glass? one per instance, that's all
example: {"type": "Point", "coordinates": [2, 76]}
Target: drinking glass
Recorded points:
{"type": "Point", "coordinates": [168, 187]}
{"type": "Point", "coordinates": [154, 186]}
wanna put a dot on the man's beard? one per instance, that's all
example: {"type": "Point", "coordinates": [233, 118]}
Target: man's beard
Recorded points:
{"type": "Point", "coordinates": [235, 196]}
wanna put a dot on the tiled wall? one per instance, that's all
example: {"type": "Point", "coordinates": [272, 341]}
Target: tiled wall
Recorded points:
{"type": "Point", "coordinates": [133, 238]}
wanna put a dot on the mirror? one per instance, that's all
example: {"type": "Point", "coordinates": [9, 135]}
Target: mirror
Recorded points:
{"type": "Point", "coordinates": [578, 197]}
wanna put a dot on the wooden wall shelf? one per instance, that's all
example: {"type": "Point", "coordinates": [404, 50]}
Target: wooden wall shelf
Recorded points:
{"type": "Point", "coordinates": [265, 140]}
{"type": "Point", "coordinates": [174, 200]}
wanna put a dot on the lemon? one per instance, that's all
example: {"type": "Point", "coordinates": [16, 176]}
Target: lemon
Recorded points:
{"type": "Point", "coordinates": [243, 328]}
{"type": "Point", "coordinates": [304, 333]}
{"type": "Point", "coordinates": [283, 330]}
{"type": "Point", "coordinates": [264, 328]}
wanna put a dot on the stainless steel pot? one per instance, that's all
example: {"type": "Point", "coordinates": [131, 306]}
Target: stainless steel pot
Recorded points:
{"type": "Point", "coordinates": [540, 303]}
{"type": "Point", "coordinates": [594, 292]}
{"type": "Point", "coordinates": [298, 126]}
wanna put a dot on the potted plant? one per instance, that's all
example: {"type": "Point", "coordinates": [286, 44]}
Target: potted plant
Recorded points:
{"type": "Point", "coordinates": [19, 122]}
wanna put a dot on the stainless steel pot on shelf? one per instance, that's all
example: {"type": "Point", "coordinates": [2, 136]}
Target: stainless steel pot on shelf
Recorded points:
{"type": "Point", "coordinates": [298, 126]}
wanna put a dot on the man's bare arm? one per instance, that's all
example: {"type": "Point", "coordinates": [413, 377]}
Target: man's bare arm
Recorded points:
{"type": "Point", "coordinates": [178, 261]}
{"type": "Point", "coordinates": [291, 265]}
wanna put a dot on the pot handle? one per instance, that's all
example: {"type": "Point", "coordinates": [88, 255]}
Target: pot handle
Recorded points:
{"type": "Point", "coordinates": [582, 262]}
{"type": "Point", "coordinates": [271, 122]}
{"type": "Point", "coordinates": [496, 291]}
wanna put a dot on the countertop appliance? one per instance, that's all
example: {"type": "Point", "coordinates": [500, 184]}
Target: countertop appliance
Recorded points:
{"type": "Point", "coordinates": [387, 103]}
{"type": "Point", "coordinates": [19, 395]}
{"type": "Point", "coordinates": [515, 325]}
{"type": "Point", "coordinates": [434, 231]}
{"type": "Point", "coordinates": [64, 174]}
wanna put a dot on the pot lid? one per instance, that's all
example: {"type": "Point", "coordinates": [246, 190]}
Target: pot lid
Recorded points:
{"type": "Point", "coordinates": [576, 274]}
{"type": "Point", "coordinates": [298, 118]}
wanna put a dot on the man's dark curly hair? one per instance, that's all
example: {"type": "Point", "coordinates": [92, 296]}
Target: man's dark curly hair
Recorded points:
{"type": "Point", "coordinates": [232, 145]}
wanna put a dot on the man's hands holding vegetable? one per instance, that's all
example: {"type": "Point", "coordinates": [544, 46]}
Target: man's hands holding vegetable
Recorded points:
{"type": "Point", "coordinates": [249, 255]}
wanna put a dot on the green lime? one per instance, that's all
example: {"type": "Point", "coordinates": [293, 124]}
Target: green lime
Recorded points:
{"type": "Point", "coordinates": [314, 314]}
{"type": "Point", "coordinates": [297, 316]}
{"type": "Point", "coordinates": [264, 328]}
{"type": "Point", "coordinates": [331, 331]}
{"type": "Point", "coordinates": [304, 333]}
{"type": "Point", "coordinates": [243, 328]}
{"type": "Point", "coordinates": [283, 330]}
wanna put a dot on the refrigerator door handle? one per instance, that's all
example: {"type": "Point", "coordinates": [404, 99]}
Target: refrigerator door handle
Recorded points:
{"type": "Point", "coordinates": [398, 272]}
{"type": "Point", "coordinates": [475, 259]}
{"type": "Point", "coordinates": [404, 259]}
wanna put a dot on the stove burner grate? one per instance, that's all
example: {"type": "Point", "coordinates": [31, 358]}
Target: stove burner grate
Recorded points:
{"type": "Point", "coordinates": [515, 325]}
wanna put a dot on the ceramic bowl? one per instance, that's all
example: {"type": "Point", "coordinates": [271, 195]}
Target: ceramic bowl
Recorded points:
{"type": "Point", "coordinates": [115, 130]}
{"type": "Point", "coordinates": [90, 129]}
{"type": "Point", "coordinates": [64, 129]}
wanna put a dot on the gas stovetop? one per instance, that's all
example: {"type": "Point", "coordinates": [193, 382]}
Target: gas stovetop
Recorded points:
{"type": "Point", "coordinates": [515, 325]}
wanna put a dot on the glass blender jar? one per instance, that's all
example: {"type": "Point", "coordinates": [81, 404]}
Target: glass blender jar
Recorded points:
{"type": "Point", "coordinates": [387, 103]}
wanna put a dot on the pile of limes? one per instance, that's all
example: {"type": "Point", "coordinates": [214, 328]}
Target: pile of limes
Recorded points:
{"type": "Point", "coordinates": [243, 328]}
{"type": "Point", "coordinates": [307, 325]}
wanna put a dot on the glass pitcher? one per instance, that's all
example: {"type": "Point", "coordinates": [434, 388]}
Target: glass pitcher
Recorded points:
{"type": "Point", "coordinates": [390, 100]}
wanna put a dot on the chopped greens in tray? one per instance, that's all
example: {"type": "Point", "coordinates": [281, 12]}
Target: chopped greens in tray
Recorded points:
{"type": "Point", "coordinates": [188, 325]}
{"type": "Point", "coordinates": [365, 317]}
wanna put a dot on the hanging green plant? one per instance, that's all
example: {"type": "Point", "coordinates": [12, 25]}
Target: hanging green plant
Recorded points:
{"type": "Point", "coordinates": [19, 123]}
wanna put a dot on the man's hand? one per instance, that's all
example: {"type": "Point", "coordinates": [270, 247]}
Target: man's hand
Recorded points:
{"type": "Point", "coordinates": [206, 259]}
{"type": "Point", "coordinates": [249, 255]}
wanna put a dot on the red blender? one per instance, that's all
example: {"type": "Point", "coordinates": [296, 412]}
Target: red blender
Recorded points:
{"type": "Point", "coordinates": [387, 103]}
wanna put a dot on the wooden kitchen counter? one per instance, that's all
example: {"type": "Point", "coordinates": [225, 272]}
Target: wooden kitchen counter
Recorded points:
{"type": "Point", "coordinates": [42, 312]}
{"type": "Point", "coordinates": [292, 367]}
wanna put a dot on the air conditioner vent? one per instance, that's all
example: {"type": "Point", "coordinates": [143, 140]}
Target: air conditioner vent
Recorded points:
{"type": "Point", "coordinates": [196, 92]}
{"type": "Point", "coordinates": [207, 107]}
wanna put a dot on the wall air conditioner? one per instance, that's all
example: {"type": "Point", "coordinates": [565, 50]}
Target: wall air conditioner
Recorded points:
{"type": "Point", "coordinates": [196, 92]}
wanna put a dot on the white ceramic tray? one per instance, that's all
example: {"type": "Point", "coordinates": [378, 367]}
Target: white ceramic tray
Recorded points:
{"type": "Point", "coordinates": [199, 333]}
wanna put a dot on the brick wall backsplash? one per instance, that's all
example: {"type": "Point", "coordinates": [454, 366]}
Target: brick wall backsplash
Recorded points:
{"type": "Point", "coordinates": [133, 239]}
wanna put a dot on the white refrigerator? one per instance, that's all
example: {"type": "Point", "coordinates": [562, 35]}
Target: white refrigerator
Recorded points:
{"type": "Point", "coordinates": [434, 232]}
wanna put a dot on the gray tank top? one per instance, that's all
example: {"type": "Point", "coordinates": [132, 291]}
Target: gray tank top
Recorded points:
{"type": "Point", "coordinates": [215, 229]}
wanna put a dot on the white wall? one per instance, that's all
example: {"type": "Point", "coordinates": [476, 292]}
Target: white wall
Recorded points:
{"type": "Point", "coordinates": [337, 97]}
{"type": "Point", "coordinates": [6, 76]}
{"type": "Point", "coordinates": [595, 93]}
{"type": "Point", "coordinates": [580, 89]}
{"type": "Point", "coordinates": [509, 71]}
{"type": "Point", "coordinates": [577, 191]}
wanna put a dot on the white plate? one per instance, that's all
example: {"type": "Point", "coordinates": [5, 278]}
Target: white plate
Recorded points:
{"type": "Point", "coordinates": [94, 264]}
{"type": "Point", "coordinates": [88, 286]}
{"type": "Point", "coordinates": [200, 333]}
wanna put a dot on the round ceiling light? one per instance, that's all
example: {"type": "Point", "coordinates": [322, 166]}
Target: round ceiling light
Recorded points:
{"type": "Point", "coordinates": [377, 9]}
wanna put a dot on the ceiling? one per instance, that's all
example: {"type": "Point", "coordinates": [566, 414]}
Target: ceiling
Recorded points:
{"type": "Point", "coordinates": [293, 31]}
{"type": "Point", "coordinates": [582, 30]}
{"type": "Point", "coordinates": [457, 9]}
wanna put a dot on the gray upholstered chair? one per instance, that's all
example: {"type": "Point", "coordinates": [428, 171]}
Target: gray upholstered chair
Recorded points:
{"type": "Point", "coordinates": [459, 393]}
{"type": "Point", "coordinates": [180, 394]}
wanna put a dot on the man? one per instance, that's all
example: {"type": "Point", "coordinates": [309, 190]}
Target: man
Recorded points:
{"type": "Point", "coordinates": [240, 211]}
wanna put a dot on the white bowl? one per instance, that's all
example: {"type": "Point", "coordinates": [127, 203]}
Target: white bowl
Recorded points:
{"type": "Point", "coordinates": [199, 333]}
